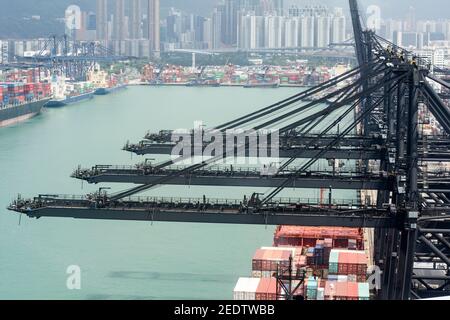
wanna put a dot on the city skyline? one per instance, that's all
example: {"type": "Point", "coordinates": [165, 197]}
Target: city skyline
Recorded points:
{"type": "Point", "coordinates": [139, 28]}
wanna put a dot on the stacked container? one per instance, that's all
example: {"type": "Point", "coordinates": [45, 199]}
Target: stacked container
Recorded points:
{"type": "Point", "coordinates": [311, 288]}
{"type": "Point", "coordinates": [267, 261]}
{"type": "Point", "coordinates": [333, 262]}
{"type": "Point", "coordinates": [310, 257]}
{"type": "Point", "coordinates": [337, 237]}
{"type": "Point", "coordinates": [319, 252]}
{"type": "Point", "coordinates": [5, 99]}
{"type": "Point", "coordinates": [1, 96]}
{"type": "Point", "coordinates": [29, 91]}
{"type": "Point", "coordinates": [346, 262]}
{"type": "Point", "coordinates": [18, 93]}
{"type": "Point", "coordinates": [267, 289]}
{"type": "Point", "coordinates": [363, 291]}
{"type": "Point", "coordinates": [346, 291]}
{"type": "Point", "coordinates": [320, 294]}
{"type": "Point", "coordinates": [246, 288]}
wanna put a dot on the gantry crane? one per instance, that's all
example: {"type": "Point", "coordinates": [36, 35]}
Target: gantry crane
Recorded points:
{"type": "Point", "coordinates": [383, 93]}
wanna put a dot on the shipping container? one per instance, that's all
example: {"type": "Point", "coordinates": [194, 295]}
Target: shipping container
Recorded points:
{"type": "Point", "coordinates": [337, 237]}
{"type": "Point", "coordinates": [311, 288]}
{"type": "Point", "coordinates": [266, 261]}
{"type": "Point", "coordinates": [348, 262]}
{"type": "Point", "coordinates": [245, 289]}
{"type": "Point", "coordinates": [363, 291]}
{"type": "Point", "coordinates": [267, 289]}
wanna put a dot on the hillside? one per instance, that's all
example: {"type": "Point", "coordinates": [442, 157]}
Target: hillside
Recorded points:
{"type": "Point", "coordinates": [15, 15]}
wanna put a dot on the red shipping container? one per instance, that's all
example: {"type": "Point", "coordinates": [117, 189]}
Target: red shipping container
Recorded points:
{"type": "Point", "coordinates": [352, 290]}
{"type": "Point", "coordinates": [308, 236]}
{"type": "Point", "coordinates": [257, 260]}
{"type": "Point", "coordinates": [272, 289]}
{"type": "Point", "coordinates": [341, 290]}
{"type": "Point", "coordinates": [261, 291]}
{"type": "Point", "coordinates": [267, 289]}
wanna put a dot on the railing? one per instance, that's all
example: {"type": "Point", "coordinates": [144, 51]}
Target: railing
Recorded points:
{"type": "Point", "coordinates": [218, 169]}
{"type": "Point", "coordinates": [187, 200]}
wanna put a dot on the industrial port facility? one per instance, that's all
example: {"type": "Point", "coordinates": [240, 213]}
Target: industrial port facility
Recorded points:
{"type": "Point", "coordinates": [391, 243]}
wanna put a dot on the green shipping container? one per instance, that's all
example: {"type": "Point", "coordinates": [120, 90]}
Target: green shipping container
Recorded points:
{"type": "Point", "coordinates": [363, 291]}
{"type": "Point", "coordinates": [311, 294]}
{"type": "Point", "coordinates": [333, 262]}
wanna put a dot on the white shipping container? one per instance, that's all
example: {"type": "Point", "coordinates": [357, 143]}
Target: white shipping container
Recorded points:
{"type": "Point", "coordinates": [279, 249]}
{"type": "Point", "coordinates": [320, 294]}
{"type": "Point", "coordinates": [245, 289]}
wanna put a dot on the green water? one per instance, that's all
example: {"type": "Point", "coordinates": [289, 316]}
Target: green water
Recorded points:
{"type": "Point", "coordinates": [126, 260]}
{"type": "Point", "coordinates": [119, 260]}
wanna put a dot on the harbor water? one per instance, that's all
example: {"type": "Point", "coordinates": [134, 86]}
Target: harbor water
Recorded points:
{"type": "Point", "coordinates": [120, 260]}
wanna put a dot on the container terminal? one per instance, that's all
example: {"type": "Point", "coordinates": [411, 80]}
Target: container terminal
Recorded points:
{"type": "Point", "coordinates": [391, 242]}
{"type": "Point", "coordinates": [295, 74]}
{"type": "Point", "coordinates": [57, 77]}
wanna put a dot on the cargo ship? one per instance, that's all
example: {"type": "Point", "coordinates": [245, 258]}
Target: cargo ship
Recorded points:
{"type": "Point", "coordinates": [275, 84]}
{"type": "Point", "coordinates": [203, 83]}
{"type": "Point", "coordinates": [66, 92]}
{"type": "Point", "coordinates": [19, 101]}
{"type": "Point", "coordinates": [55, 103]}
{"type": "Point", "coordinates": [109, 90]}
{"type": "Point", "coordinates": [14, 113]}
{"type": "Point", "coordinates": [106, 83]}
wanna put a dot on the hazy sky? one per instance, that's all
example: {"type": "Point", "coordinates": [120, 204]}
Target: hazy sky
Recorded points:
{"type": "Point", "coordinates": [15, 14]}
{"type": "Point", "coordinates": [390, 8]}
{"type": "Point", "coordinates": [426, 9]}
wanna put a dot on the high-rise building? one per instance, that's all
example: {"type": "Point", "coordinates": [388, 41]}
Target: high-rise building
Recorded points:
{"type": "Point", "coordinates": [307, 30]}
{"type": "Point", "coordinates": [322, 34]}
{"type": "Point", "coordinates": [135, 19]}
{"type": "Point", "coordinates": [291, 32]}
{"type": "Point", "coordinates": [427, 26]}
{"type": "Point", "coordinates": [273, 7]}
{"type": "Point", "coordinates": [153, 24]}
{"type": "Point", "coordinates": [102, 20]}
{"type": "Point", "coordinates": [338, 26]}
{"type": "Point", "coordinates": [230, 16]}
{"type": "Point", "coordinates": [120, 30]}
{"type": "Point", "coordinates": [199, 23]}
{"type": "Point", "coordinates": [278, 7]}
{"type": "Point", "coordinates": [4, 51]}
{"type": "Point", "coordinates": [391, 27]}
{"type": "Point", "coordinates": [397, 38]}
{"type": "Point", "coordinates": [251, 33]}
{"type": "Point", "coordinates": [410, 39]}
{"type": "Point", "coordinates": [411, 20]}
{"type": "Point", "coordinates": [274, 32]}
{"type": "Point", "coordinates": [216, 29]}
{"type": "Point", "coordinates": [207, 33]}
{"type": "Point", "coordinates": [87, 30]}
{"type": "Point", "coordinates": [172, 27]}
{"type": "Point", "coordinates": [447, 30]}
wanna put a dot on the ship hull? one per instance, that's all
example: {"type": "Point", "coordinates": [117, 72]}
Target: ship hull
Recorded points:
{"type": "Point", "coordinates": [69, 101]}
{"type": "Point", "coordinates": [262, 85]}
{"type": "Point", "coordinates": [105, 91]}
{"type": "Point", "coordinates": [15, 114]}
{"type": "Point", "coordinates": [214, 85]}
